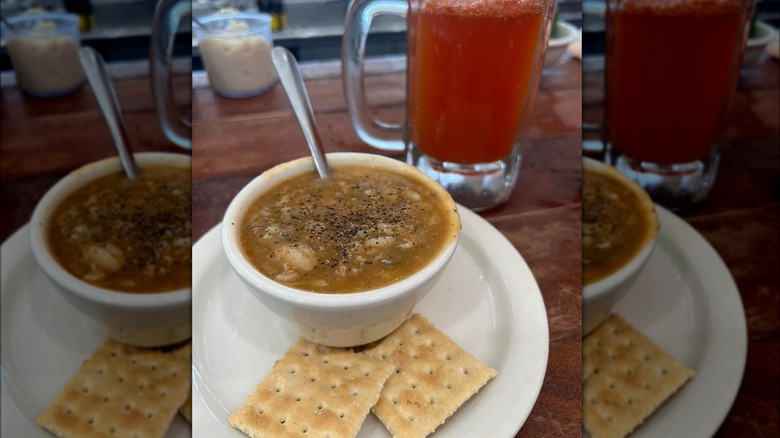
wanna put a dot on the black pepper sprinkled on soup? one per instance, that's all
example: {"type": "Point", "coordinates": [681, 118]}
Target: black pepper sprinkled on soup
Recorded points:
{"type": "Point", "coordinates": [128, 235]}
{"type": "Point", "coordinates": [361, 229]}
{"type": "Point", "coordinates": [616, 225]}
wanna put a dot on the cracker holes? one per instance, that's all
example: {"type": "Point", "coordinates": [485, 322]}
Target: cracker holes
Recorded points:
{"type": "Point", "coordinates": [663, 371]}
{"type": "Point", "coordinates": [101, 371]}
{"type": "Point", "coordinates": [297, 399]}
{"type": "Point", "coordinates": [613, 356]}
{"type": "Point", "coordinates": [411, 418]}
{"type": "Point", "coordinates": [112, 430]}
{"type": "Point", "coordinates": [69, 411]}
{"type": "Point", "coordinates": [305, 354]}
{"type": "Point", "coordinates": [367, 373]}
{"type": "Point", "coordinates": [609, 419]}
{"type": "Point", "coordinates": [430, 401]}
{"type": "Point", "coordinates": [346, 367]}
{"type": "Point", "coordinates": [105, 399]}
{"type": "Point", "coordinates": [85, 390]}
{"type": "Point", "coordinates": [394, 401]}
{"type": "Point", "coordinates": [163, 393]}
{"type": "Point", "coordinates": [127, 407]}
{"type": "Point", "coordinates": [304, 430]}
{"type": "Point", "coordinates": [413, 385]}
{"type": "Point", "coordinates": [430, 370]}
{"type": "Point", "coordinates": [292, 370]}
{"type": "Point", "coordinates": [333, 386]}
{"type": "Point", "coordinates": [341, 415]}
{"type": "Point", "coordinates": [431, 344]}
{"type": "Point", "coordinates": [277, 390]}
{"type": "Point", "coordinates": [153, 367]}
{"type": "Point", "coordinates": [598, 342]}
{"type": "Point", "coordinates": [261, 411]}
{"type": "Point", "coordinates": [326, 361]}
{"type": "Point", "coordinates": [646, 358]}
{"type": "Point", "coordinates": [647, 386]}
{"type": "Point", "coordinates": [120, 379]}
{"type": "Point", "coordinates": [149, 415]}
{"type": "Point", "coordinates": [90, 421]}
{"type": "Point", "coordinates": [312, 379]}
{"type": "Point", "coordinates": [355, 393]}
{"type": "Point", "coordinates": [133, 361]}
{"type": "Point", "coordinates": [448, 357]}
{"type": "Point", "coordinates": [629, 371]}
{"type": "Point", "coordinates": [319, 406]}
{"type": "Point", "coordinates": [282, 420]}
{"type": "Point", "coordinates": [382, 356]}
{"type": "Point", "coordinates": [400, 342]}
{"type": "Point", "coordinates": [630, 401]}
{"type": "Point", "coordinates": [448, 386]}
{"type": "Point", "coordinates": [397, 370]}
{"type": "Point", "coordinates": [141, 385]}
{"type": "Point", "coordinates": [595, 370]}
{"type": "Point", "coordinates": [611, 385]}
{"type": "Point", "coordinates": [415, 357]}
{"type": "Point", "coordinates": [592, 401]}
{"type": "Point", "coordinates": [113, 353]}
{"type": "Point", "coordinates": [464, 370]}
{"type": "Point", "coordinates": [417, 331]}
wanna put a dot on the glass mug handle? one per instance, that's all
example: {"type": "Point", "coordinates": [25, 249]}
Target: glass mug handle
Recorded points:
{"type": "Point", "coordinates": [167, 16]}
{"type": "Point", "coordinates": [376, 133]}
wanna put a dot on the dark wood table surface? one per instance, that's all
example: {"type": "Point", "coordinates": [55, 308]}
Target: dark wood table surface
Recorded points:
{"type": "Point", "coordinates": [238, 139]}
{"type": "Point", "coordinates": [741, 219]}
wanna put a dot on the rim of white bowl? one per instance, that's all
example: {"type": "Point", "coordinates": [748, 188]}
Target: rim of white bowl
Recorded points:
{"type": "Point", "coordinates": [40, 248]}
{"type": "Point", "coordinates": [600, 287]}
{"type": "Point", "coordinates": [274, 175]}
{"type": "Point", "coordinates": [571, 35]}
{"type": "Point", "coordinates": [768, 33]}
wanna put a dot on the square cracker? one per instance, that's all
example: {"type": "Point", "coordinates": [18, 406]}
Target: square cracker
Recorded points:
{"type": "Point", "coordinates": [185, 410]}
{"type": "Point", "coordinates": [626, 377]}
{"type": "Point", "coordinates": [313, 391]}
{"type": "Point", "coordinates": [121, 391]}
{"type": "Point", "coordinates": [433, 377]}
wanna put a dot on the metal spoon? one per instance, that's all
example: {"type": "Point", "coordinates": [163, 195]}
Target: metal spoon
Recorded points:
{"type": "Point", "coordinates": [98, 78]}
{"type": "Point", "coordinates": [292, 81]}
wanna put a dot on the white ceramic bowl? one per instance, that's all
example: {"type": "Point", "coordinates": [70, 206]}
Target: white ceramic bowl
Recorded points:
{"type": "Point", "coordinates": [340, 320]}
{"type": "Point", "coordinates": [556, 47]}
{"type": "Point", "coordinates": [599, 297]}
{"type": "Point", "coordinates": [147, 320]}
{"type": "Point", "coordinates": [755, 46]}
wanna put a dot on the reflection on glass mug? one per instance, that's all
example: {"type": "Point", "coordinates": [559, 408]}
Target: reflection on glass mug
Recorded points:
{"type": "Point", "coordinates": [472, 72]}
{"type": "Point", "coordinates": [167, 16]}
{"type": "Point", "coordinates": [671, 73]}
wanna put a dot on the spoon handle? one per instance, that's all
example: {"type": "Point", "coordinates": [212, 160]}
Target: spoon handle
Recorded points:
{"type": "Point", "coordinates": [292, 81]}
{"type": "Point", "coordinates": [95, 70]}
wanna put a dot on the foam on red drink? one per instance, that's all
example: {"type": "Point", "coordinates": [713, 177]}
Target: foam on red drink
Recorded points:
{"type": "Point", "coordinates": [669, 76]}
{"type": "Point", "coordinates": [471, 66]}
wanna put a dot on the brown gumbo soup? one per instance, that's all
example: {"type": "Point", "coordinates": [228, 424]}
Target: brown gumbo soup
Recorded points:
{"type": "Point", "coordinates": [362, 229]}
{"type": "Point", "coordinates": [128, 235]}
{"type": "Point", "coordinates": [616, 225]}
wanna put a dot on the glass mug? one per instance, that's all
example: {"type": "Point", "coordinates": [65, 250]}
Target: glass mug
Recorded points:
{"type": "Point", "coordinates": [472, 71]}
{"type": "Point", "coordinates": [671, 69]}
{"type": "Point", "coordinates": [167, 16]}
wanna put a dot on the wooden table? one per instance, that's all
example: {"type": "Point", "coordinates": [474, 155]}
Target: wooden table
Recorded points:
{"type": "Point", "coordinates": [741, 219]}
{"type": "Point", "coordinates": [238, 139]}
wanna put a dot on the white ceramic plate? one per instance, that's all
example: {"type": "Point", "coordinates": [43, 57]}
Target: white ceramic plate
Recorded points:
{"type": "Point", "coordinates": [44, 341]}
{"type": "Point", "coordinates": [487, 301]}
{"type": "Point", "coordinates": [687, 302]}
